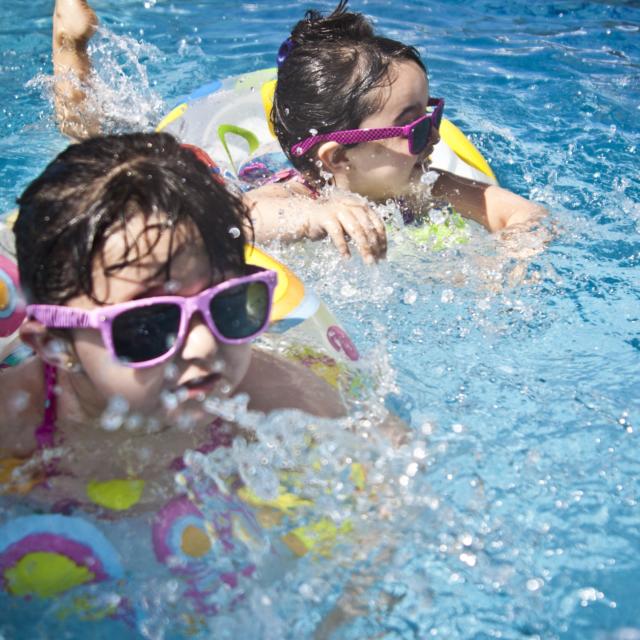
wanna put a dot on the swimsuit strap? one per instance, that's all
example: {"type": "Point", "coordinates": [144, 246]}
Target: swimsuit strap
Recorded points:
{"type": "Point", "coordinates": [292, 174]}
{"type": "Point", "coordinates": [44, 433]}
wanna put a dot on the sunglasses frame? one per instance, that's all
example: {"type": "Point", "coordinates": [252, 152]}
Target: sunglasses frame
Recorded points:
{"type": "Point", "coordinates": [62, 317]}
{"type": "Point", "coordinates": [354, 136]}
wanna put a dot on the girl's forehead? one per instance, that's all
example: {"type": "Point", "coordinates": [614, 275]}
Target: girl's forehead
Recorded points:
{"type": "Point", "coordinates": [408, 83]}
{"type": "Point", "coordinates": [143, 241]}
{"type": "Point", "coordinates": [407, 93]}
{"type": "Point", "coordinates": [144, 254]}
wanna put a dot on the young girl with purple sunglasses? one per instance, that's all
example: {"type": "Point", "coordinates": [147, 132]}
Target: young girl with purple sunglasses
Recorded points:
{"type": "Point", "coordinates": [74, 23]}
{"type": "Point", "coordinates": [352, 109]}
{"type": "Point", "coordinates": [140, 312]}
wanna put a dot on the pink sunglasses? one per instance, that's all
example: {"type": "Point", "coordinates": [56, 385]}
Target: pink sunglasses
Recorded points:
{"type": "Point", "coordinates": [146, 332]}
{"type": "Point", "coordinates": [417, 132]}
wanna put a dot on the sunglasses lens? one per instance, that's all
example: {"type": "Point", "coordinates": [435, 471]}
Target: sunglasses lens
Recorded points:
{"type": "Point", "coordinates": [420, 136]}
{"type": "Point", "coordinates": [240, 312]}
{"type": "Point", "coordinates": [145, 333]}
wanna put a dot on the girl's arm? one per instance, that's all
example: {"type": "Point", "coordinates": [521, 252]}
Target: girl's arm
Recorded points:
{"type": "Point", "coordinates": [286, 212]}
{"type": "Point", "coordinates": [273, 383]}
{"type": "Point", "coordinates": [74, 22]}
{"type": "Point", "coordinates": [493, 207]}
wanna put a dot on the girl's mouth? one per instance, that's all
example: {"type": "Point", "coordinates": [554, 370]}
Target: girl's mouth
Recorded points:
{"type": "Point", "coordinates": [201, 384]}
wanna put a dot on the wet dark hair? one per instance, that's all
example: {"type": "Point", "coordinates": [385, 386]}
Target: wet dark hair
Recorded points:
{"type": "Point", "coordinates": [93, 188]}
{"type": "Point", "coordinates": [327, 80]}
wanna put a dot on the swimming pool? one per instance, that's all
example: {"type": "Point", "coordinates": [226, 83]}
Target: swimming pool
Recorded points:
{"type": "Point", "coordinates": [521, 375]}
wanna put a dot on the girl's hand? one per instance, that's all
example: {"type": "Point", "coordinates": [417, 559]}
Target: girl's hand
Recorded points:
{"type": "Point", "coordinates": [345, 218]}
{"type": "Point", "coordinates": [285, 212]}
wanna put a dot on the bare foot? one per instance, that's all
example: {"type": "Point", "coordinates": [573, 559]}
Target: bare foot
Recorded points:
{"type": "Point", "coordinates": [74, 22]}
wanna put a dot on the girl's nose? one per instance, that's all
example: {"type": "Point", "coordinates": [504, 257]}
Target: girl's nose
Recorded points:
{"type": "Point", "coordinates": [199, 343]}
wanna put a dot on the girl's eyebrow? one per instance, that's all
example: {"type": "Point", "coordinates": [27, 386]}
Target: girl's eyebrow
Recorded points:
{"type": "Point", "coordinates": [410, 109]}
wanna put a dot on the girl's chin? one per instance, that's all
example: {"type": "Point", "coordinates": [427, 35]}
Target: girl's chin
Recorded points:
{"type": "Point", "coordinates": [189, 415]}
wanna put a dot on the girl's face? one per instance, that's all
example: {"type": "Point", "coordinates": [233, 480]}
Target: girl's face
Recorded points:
{"type": "Point", "coordinates": [385, 168]}
{"type": "Point", "coordinates": [201, 367]}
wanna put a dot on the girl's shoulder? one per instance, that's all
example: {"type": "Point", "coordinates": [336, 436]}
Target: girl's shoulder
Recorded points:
{"type": "Point", "coordinates": [21, 407]}
{"type": "Point", "coordinates": [274, 382]}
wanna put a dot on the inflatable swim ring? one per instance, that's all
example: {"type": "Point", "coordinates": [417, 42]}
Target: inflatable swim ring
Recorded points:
{"type": "Point", "coordinates": [12, 313]}
{"type": "Point", "coordinates": [45, 555]}
{"type": "Point", "coordinates": [230, 120]}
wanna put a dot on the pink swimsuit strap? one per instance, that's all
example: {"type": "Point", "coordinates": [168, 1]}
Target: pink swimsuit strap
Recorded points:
{"type": "Point", "coordinates": [45, 432]}
{"type": "Point", "coordinates": [285, 175]}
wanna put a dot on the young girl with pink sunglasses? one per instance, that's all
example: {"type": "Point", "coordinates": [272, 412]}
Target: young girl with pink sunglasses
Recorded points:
{"type": "Point", "coordinates": [131, 258]}
{"type": "Point", "coordinates": [140, 312]}
{"type": "Point", "coordinates": [353, 110]}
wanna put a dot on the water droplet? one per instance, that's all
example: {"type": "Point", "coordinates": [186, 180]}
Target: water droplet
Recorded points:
{"type": "Point", "coordinates": [348, 291]}
{"type": "Point", "coordinates": [534, 584]}
{"type": "Point", "coordinates": [419, 453]}
{"type": "Point", "coordinates": [114, 415]}
{"type": "Point", "coordinates": [469, 559]}
{"type": "Point", "coordinates": [169, 400]}
{"type": "Point", "coordinates": [429, 178]}
{"type": "Point", "coordinates": [447, 296]}
{"type": "Point", "coordinates": [410, 296]}
{"type": "Point", "coordinates": [466, 539]}
{"type": "Point", "coordinates": [20, 401]}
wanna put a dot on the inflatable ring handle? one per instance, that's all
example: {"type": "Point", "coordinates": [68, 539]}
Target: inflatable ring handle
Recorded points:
{"type": "Point", "coordinates": [267, 91]}
{"type": "Point", "coordinates": [174, 114]}
{"type": "Point", "coordinates": [250, 138]}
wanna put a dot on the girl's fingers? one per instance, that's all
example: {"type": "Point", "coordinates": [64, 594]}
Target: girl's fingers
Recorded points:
{"type": "Point", "coordinates": [374, 230]}
{"type": "Point", "coordinates": [358, 232]}
{"type": "Point", "coordinates": [380, 232]}
{"type": "Point", "coordinates": [336, 232]}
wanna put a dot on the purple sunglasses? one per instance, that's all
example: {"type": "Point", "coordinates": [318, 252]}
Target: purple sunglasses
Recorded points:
{"type": "Point", "coordinates": [143, 333]}
{"type": "Point", "coordinates": [417, 132]}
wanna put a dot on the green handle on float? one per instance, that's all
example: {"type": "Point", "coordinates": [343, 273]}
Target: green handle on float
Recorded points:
{"type": "Point", "coordinates": [249, 137]}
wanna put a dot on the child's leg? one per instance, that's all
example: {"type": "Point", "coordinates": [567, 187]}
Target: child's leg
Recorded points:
{"type": "Point", "coordinates": [74, 22]}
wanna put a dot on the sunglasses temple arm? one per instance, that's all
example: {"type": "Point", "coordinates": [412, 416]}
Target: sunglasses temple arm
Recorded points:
{"type": "Point", "coordinates": [59, 317]}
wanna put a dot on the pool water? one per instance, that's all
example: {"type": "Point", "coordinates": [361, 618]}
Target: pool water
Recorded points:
{"type": "Point", "coordinates": [513, 511]}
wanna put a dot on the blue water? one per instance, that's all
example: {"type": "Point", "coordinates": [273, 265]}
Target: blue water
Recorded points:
{"type": "Point", "coordinates": [518, 371]}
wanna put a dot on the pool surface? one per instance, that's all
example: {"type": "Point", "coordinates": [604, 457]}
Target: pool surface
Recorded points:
{"type": "Point", "coordinates": [513, 511]}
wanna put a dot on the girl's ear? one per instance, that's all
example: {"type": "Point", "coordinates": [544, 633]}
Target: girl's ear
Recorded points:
{"type": "Point", "coordinates": [49, 347]}
{"type": "Point", "coordinates": [333, 157]}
